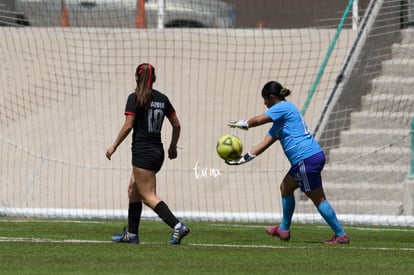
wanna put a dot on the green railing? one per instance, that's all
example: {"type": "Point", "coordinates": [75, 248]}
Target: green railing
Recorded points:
{"type": "Point", "coordinates": [326, 59]}
{"type": "Point", "coordinates": [411, 172]}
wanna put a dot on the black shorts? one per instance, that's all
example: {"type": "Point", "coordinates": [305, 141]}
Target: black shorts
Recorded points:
{"type": "Point", "coordinates": [150, 158]}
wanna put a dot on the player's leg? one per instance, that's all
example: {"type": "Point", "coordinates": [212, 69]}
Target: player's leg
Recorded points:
{"type": "Point", "coordinates": [146, 185]}
{"type": "Point", "coordinates": [328, 213]}
{"type": "Point", "coordinates": [326, 210]}
{"type": "Point", "coordinates": [287, 189]}
{"type": "Point", "coordinates": [134, 216]}
{"type": "Point", "coordinates": [311, 185]}
{"type": "Point", "coordinates": [145, 166]}
{"type": "Point", "coordinates": [135, 207]}
{"type": "Point", "coordinates": [145, 182]}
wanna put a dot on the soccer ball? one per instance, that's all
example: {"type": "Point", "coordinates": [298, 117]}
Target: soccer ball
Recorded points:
{"type": "Point", "coordinates": [229, 147]}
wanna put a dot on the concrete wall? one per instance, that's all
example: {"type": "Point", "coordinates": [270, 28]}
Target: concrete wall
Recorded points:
{"type": "Point", "coordinates": [62, 97]}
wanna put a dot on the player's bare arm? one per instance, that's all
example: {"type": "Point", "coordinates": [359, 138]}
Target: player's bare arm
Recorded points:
{"type": "Point", "coordinates": [253, 122]}
{"type": "Point", "coordinates": [263, 145]}
{"type": "Point", "coordinates": [176, 129]}
{"type": "Point", "coordinates": [123, 133]}
{"type": "Point", "coordinates": [258, 120]}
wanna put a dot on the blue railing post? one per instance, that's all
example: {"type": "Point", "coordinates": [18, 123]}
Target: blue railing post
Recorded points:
{"type": "Point", "coordinates": [411, 172]}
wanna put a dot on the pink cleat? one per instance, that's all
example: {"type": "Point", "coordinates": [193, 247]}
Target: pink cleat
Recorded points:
{"type": "Point", "coordinates": [344, 239]}
{"type": "Point", "coordinates": [275, 231]}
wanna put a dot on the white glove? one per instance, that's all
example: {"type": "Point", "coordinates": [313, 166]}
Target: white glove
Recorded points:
{"type": "Point", "coordinates": [241, 160]}
{"type": "Point", "coordinates": [242, 124]}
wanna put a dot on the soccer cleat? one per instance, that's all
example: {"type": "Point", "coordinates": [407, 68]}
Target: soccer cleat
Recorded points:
{"type": "Point", "coordinates": [179, 233]}
{"type": "Point", "coordinates": [275, 231]}
{"type": "Point", "coordinates": [344, 239]}
{"type": "Point", "coordinates": [125, 237]}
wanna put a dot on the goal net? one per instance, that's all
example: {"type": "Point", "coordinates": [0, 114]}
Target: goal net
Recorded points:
{"type": "Point", "coordinates": [66, 74]}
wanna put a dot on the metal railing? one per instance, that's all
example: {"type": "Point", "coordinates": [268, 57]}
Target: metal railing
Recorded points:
{"type": "Point", "coordinates": [410, 174]}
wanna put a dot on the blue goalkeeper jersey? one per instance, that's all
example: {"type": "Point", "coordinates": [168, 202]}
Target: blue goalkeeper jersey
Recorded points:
{"type": "Point", "coordinates": [290, 128]}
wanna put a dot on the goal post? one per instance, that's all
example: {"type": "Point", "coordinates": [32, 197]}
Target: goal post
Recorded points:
{"type": "Point", "coordinates": [63, 92]}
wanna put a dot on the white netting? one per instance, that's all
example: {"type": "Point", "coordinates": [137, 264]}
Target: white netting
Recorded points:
{"type": "Point", "coordinates": [63, 92]}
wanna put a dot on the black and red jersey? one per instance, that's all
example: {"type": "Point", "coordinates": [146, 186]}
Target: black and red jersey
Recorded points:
{"type": "Point", "coordinates": [149, 120]}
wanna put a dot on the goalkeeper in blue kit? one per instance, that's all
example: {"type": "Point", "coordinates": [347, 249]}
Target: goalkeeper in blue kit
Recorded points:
{"type": "Point", "coordinates": [305, 155]}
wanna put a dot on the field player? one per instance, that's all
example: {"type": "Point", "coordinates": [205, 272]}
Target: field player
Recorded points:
{"type": "Point", "coordinates": [144, 113]}
{"type": "Point", "coordinates": [304, 154]}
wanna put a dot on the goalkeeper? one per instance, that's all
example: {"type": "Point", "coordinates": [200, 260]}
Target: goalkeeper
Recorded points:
{"type": "Point", "coordinates": [305, 155]}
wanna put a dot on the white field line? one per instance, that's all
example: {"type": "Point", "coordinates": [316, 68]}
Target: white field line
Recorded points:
{"type": "Point", "coordinates": [319, 226]}
{"type": "Point", "coordinates": [301, 247]}
{"type": "Point", "coordinates": [41, 240]}
{"type": "Point", "coordinates": [117, 214]}
{"type": "Point", "coordinates": [347, 247]}
{"type": "Point", "coordinates": [35, 220]}
{"type": "Point", "coordinates": [20, 220]}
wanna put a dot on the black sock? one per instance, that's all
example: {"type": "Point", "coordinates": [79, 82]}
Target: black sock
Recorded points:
{"type": "Point", "coordinates": [134, 216]}
{"type": "Point", "coordinates": [165, 214]}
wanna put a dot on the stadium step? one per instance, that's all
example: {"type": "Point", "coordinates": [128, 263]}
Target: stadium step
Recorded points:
{"type": "Point", "coordinates": [388, 102]}
{"type": "Point", "coordinates": [407, 36]}
{"type": "Point", "coordinates": [375, 137]}
{"type": "Point", "coordinates": [398, 67]}
{"type": "Point", "coordinates": [362, 207]}
{"type": "Point", "coordinates": [381, 120]}
{"type": "Point", "coordinates": [403, 50]}
{"type": "Point", "coordinates": [365, 174]}
{"type": "Point", "coordinates": [343, 173]}
{"type": "Point", "coordinates": [363, 191]}
{"type": "Point", "coordinates": [392, 85]}
{"type": "Point", "coordinates": [370, 155]}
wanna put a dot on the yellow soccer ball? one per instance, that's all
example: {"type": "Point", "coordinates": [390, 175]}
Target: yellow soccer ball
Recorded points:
{"type": "Point", "coordinates": [229, 147]}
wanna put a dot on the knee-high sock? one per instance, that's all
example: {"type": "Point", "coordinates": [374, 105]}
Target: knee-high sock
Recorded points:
{"type": "Point", "coordinates": [134, 216]}
{"type": "Point", "coordinates": [288, 206]}
{"type": "Point", "coordinates": [328, 213]}
{"type": "Point", "coordinates": [165, 214]}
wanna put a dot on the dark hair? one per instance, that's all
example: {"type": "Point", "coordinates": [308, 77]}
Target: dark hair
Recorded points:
{"type": "Point", "coordinates": [276, 89]}
{"type": "Point", "coordinates": [145, 74]}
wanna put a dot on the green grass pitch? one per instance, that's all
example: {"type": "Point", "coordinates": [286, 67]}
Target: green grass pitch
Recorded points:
{"type": "Point", "coordinates": [37, 246]}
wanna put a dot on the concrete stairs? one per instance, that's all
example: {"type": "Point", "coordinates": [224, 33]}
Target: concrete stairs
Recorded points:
{"type": "Point", "coordinates": [365, 174]}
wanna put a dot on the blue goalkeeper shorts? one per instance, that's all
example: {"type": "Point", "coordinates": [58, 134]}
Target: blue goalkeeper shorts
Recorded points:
{"type": "Point", "coordinates": [308, 172]}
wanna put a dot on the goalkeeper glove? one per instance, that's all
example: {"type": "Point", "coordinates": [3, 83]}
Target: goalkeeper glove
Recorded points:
{"type": "Point", "coordinates": [242, 124]}
{"type": "Point", "coordinates": [241, 160]}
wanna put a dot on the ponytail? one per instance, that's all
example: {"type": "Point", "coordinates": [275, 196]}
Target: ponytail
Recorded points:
{"type": "Point", "coordinates": [145, 74]}
{"type": "Point", "coordinates": [276, 89]}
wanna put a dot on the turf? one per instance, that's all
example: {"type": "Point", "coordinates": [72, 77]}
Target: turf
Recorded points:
{"type": "Point", "coordinates": [84, 247]}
